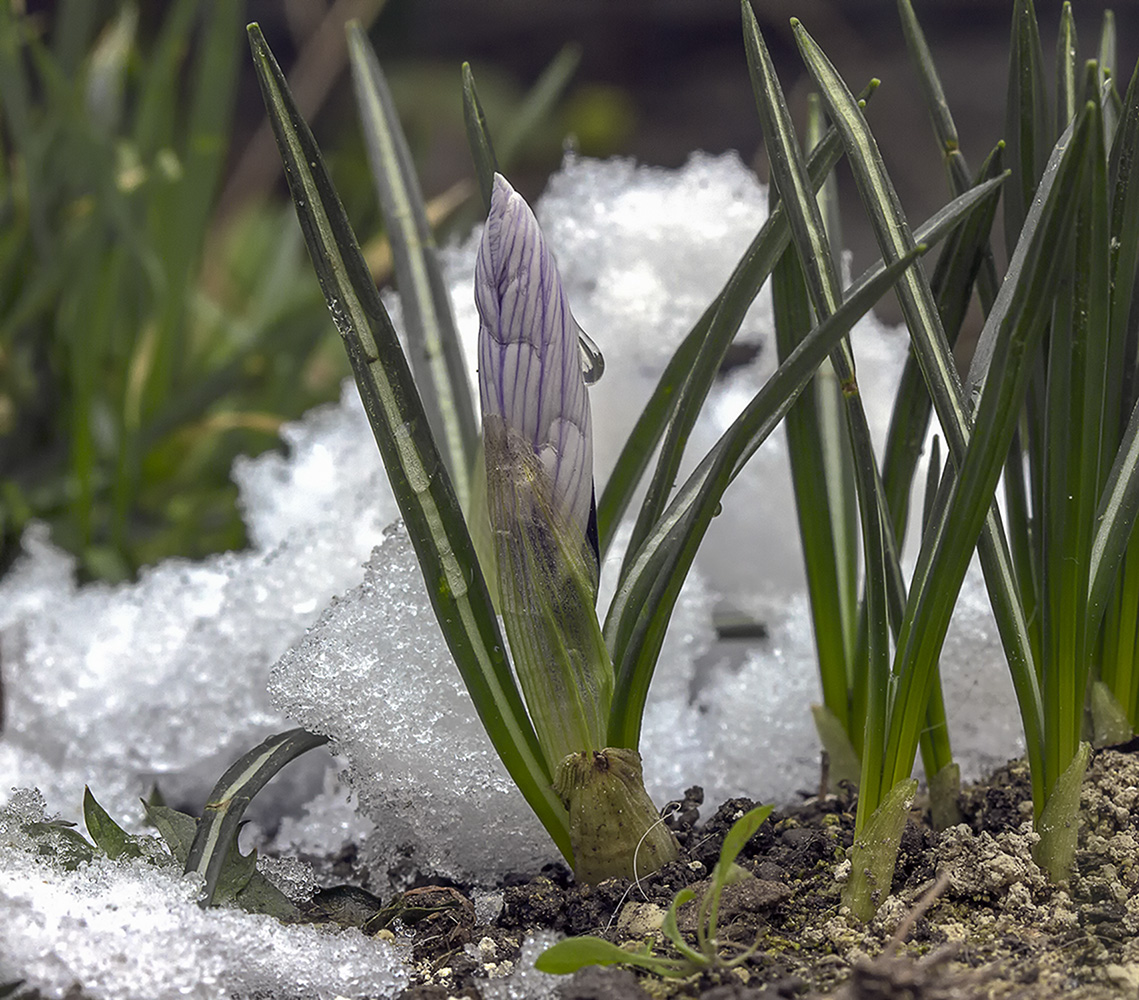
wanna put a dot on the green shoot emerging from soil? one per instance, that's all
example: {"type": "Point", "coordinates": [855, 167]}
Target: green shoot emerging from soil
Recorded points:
{"type": "Point", "coordinates": [577, 952]}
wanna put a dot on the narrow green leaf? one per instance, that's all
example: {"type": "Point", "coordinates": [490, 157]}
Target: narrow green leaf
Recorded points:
{"type": "Point", "coordinates": [842, 757]}
{"type": "Point", "coordinates": [821, 271]}
{"type": "Point", "coordinates": [1124, 180]}
{"type": "Point", "coordinates": [932, 349]}
{"type": "Point", "coordinates": [1110, 724]}
{"type": "Point", "coordinates": [176, 828]}
{"type": "Point", "coordinates": [875, 851]}
{"type": "Point", "coordinates": [789, 173]}
{"type": "Point", "coordinates": [808, 440]}
{"type": "Point", "coordinates": [1074, 430]}
{"type": "Point", "coordinates": [157, 116]}
{"type": "Point", "coordinates": [1011, 334]}
{"type": "Point", "coordinates": [1067, 77]}
{"type": "Point", "coordinates": [684, 384]}
{"type": "Point", "coordinates": [936, 752]}
{"type": "Point", "coordinates": [1114, 521]}
{"type": "Point", "coordinates": [486, 165]}
{"type": "Point", "coordinates": [1058, 824]}
{"type": "Point", "coordinates": [420, 483]}
{"type": "Point", "coordinates": [109, 837]}
{"type": "Point", "coordinates": [943, 125]}
{"type": "Point", "coordinates": [1107, 56]}
{"type": "Point", "coordinates": [639, 614]}
{"type": "Point", "coordinates": [577, 952]}
{"type": "Point", "coordinates": [958, 266]}
{"type": "Point", "coordinates": [670, 930]}
{"type": "Point", "coordinates": [741, 831]}
{"type": "Point", "coordinates": [1028, 126]}
{"type": "Point", "coordinates": [944, 793]}
{"type": "Point", "coordinates": [436, 353]}
{"type": "Point", "coordinates": [539, 102]}
{"type": "Point", "coordinates": [179, 206]}
{"type": "Point", "coordinates": [216, 834]}
{"type": "Point", "coordinates": [945, 132]}
{"type": "Point", "coordinates": [73, 24]}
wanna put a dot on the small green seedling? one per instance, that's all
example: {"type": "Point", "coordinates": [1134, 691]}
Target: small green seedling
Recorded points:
{"type": "Point", "coordinates": [577, 952]}
{"type": "Point", "coordinates": [207, 847]}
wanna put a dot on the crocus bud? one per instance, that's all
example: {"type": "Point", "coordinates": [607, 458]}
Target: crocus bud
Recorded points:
{"type": "Point", "coordinates": [530, 373]}
{"type": "Point", "coordinates": [539, 468]}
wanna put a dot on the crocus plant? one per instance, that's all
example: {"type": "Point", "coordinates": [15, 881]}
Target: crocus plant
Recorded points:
{"type": "Point", "coordinates": [565, 713]}
{"type": "Point", "coordinates": [538, 441]}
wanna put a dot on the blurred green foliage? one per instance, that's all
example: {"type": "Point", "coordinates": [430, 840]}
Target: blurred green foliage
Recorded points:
{"type": "Point", "coordinates": [147, 337]}
{"type": "Point", "coordinates": [144, 342]}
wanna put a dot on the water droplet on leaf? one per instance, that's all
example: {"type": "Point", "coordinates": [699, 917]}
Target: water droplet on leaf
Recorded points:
{"type": "Point", "coordinates": [592, 362]}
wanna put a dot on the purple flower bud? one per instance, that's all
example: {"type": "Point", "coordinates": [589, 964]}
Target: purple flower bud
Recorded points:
{"type": "Point", "coordinates": [530, 373]}
{"type": "Point", "coordinates": [539, 481]}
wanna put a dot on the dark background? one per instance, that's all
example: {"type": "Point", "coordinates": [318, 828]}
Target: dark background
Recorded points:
{"type": "Point", "coordinates": [661, 78]}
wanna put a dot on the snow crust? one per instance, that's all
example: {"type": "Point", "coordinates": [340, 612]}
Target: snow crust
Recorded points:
{"type": "Point", "coordinates": [324, 622]}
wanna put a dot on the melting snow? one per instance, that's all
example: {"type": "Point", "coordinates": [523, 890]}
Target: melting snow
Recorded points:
{"type": "Point", "coordinates": [324, 622]}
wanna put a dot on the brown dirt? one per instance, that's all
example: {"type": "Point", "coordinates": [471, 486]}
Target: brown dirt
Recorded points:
{"type": "Point", "coordinates": [992, 926]}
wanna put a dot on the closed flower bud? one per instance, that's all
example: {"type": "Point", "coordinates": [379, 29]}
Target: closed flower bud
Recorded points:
{"type": "Point", "coordinates": [539, 480]}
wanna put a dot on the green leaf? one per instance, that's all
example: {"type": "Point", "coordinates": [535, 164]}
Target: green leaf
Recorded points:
{"type": "Point", "coordinates": [240, 884]}
{"type": "Point", "coordinates": [482, 152]}
{"type": "Point", "coordinates": [945, 131]}
{"type": "Point", "coordinates": [696, 960]}
{"type": "Point", "coordinates": [932, 349]}
{"type": "Point", "coordinates": [943, 125]}
{"type": "Point", "coordinates": [59, 839]}
{"type": "Point", "coordinates": [436, 352]}
{"type": "Point", "coordinates": [822, 468]}
{"type": "Point", "coordinates": [821, 272]}
{"type": "Point", "coordinates": [827, 546]}
{"type": "Point", "coordinates": [1058, 824]}
{"type": "Point", "coordinates": [577, 952]}
{"type": "Point", "coordinates": [958, 267]}
{"type": "Point", "coordinates": [875, 851]}
{"type": "Point", "coordinates": [536, 107]}
{"type": "Point", "coordinates": [1115, 521]}
{"type": "Point", "coordinates": [1067, 78]}
{"type": "Point", "coordinates": [1110, 724]}
{"type": "Point", "coordinates": [726, 870]}
{"type": "Point", "coordinates": [1011, 334]}
{"type": "Point", "coordinates": [742, 830]}
{"type": "Point", "coordinates": [1028, 126]}
{"type": "Point", "coordinates": [1074, 434]}
{"type": "Point", "coordinates": [1108, 57]}
{"type": "Point", "coordinates": [944, 792]}
{"type": "Point", "coordinates": [262, 896]}
{"type": "Point", "coordinates": [539, 102]}
{"type": "Point", "coordinates": [844, 764]}
{"type": "Point", "coordinates": [639, 614]}
{"type": "Point", "coordinates": [684, 384]}
{"type": "Point", "coordinates": [109, 837]}
{"type": "Point", "coordinates": [176, 828]}
{"type": "Point", "coordinates": [235, 872]}
{"type": "Point", "coordinates": [420, 483]}
{"type": "Point", "coordinates": [216, 835]}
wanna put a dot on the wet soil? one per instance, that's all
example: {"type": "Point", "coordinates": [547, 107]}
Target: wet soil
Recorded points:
{"type": "Point", "coordinates": [970, 914]}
